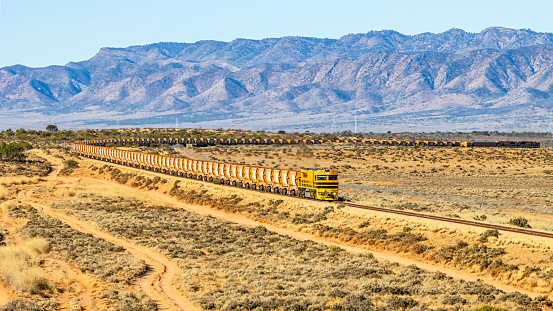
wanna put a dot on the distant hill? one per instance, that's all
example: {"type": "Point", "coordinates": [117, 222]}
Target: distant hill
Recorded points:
{"type": "Point", "coordinates": [498, 79]}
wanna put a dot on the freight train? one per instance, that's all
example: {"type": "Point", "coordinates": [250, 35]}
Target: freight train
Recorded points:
{"type": "Point", "coordinates": [315, 183]}
{"type": "Point", "coordinates": [273, 141]}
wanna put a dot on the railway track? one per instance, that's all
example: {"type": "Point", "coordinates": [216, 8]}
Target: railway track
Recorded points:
{"type": "Point", "coordinates": [452, 220]}
{"type": "Point", "coordinates": [404, 213]}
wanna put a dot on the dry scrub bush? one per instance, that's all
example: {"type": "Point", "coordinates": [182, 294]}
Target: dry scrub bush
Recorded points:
{"type": "Point", "coordinates": [21, 271]}
{"type": "Point", "coordinates": [68, 167]}
{"type": "Point", "coordinates": [231, 267]}
{"type": "Point", "coordinates": [30, 305]}
{"type": "Point", "coordinates": [5, 206]}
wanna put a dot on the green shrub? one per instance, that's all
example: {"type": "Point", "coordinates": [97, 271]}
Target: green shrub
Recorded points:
{"type": "Point", "coordinates": [71, 164]}
{"type": "Point", "coordinates": [519, 222]}
{"type": "Point", "coordinates": [13, 151]}
{"type": "Point", "coordinates": [484, 237]}
{"type": "Point", "coordinates": [335, 248]}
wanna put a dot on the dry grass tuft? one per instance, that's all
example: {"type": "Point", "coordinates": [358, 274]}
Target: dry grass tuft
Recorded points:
{"type": "Point", "coordinates": [22, 272]}
{"type": "Point", "coordinates": [4, 193]}
{"type": "Point", "coordinates": [37, 245]}
{"type": "Point", "coordinates": [19, 180]}
{"type": "Point", "coordinates": [6, 206]}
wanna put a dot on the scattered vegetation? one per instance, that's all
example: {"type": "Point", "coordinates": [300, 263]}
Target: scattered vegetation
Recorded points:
{"type": "Point", "coordinates": [230, 267]}
{"type": "Point", "coordinates": [108, 262]}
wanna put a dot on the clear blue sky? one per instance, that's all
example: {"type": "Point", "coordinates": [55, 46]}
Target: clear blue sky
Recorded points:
{"type": "Point", "coordinates": [37, 33]}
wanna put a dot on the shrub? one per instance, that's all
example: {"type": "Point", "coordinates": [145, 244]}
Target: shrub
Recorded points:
{"type": "Point", "coordinates": [335, 248]}
{"type": "Point", "coordinates": [30, 305]}
{"type": "Point", "coordinates": [484, 237]}
{"type": "Point", "coordinates": [364, 224]}
{"type": "Point", "coordinates": [480, 217]}
{"type": "Point", "coordinates": [519, 222]}
{"type": "Point", "coordinates": [397, 303]}
{"type": "Point", "coordinates": [488, 308]}
{"type": "Point", "coordinates": [14, 151]}
{"type": "Point", "coordinates": [69, 166]}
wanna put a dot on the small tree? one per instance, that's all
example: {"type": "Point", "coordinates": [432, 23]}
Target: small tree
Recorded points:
{"type": "Point", "coordinates": [52, 128]}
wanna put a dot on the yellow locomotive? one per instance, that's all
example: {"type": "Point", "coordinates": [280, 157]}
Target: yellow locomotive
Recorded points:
{"type": "Point", "coordinates": [319, 184]}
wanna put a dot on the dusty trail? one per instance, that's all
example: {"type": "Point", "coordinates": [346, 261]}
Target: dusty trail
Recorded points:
{"type": "Point", "coordinates": [156, 282]}
{"type": "Point", "coordinates": [5, 294]}
{"type": "Point", "coordinates": [83, 281]}
{"type": "Point", "coordinates": [302, 236]}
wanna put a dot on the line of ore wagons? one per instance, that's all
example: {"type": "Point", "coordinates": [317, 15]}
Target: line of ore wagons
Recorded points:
{"type": "Point", "coordinates": [269, 141]}
{"type": "Point", "coordinates": [252, 177]}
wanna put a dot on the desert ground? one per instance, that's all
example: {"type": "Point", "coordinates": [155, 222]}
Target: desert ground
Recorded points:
{"type": "Point", "coordinates": [81, 234]}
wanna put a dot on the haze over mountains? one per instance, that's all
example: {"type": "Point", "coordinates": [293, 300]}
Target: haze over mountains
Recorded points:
{"type": "Point", "coordinates": [498, 79]}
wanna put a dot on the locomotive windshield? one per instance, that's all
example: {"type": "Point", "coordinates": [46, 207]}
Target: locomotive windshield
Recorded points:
{"type": "Point", "coordinates": [333, 177]}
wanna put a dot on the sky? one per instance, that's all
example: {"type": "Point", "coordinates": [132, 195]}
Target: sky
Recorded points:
{"type": "Point", "coordinates": [38, 33]}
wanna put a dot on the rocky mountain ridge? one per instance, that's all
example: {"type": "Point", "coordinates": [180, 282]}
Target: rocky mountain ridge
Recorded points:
{"type": "Point", "coordinates": [382, 76]}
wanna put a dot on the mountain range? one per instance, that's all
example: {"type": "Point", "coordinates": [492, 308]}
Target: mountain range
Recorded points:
{"type": "Point", "coordinates": [498, 79]}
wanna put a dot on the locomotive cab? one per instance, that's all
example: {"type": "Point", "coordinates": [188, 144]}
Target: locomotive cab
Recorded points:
{"type": "Point", "coordinates": [319, 184]}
